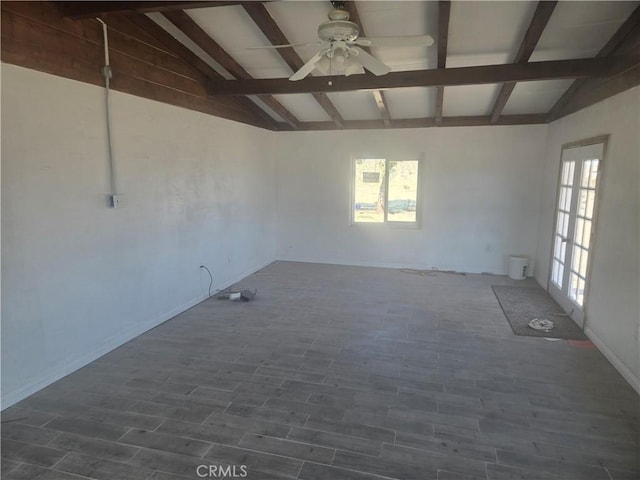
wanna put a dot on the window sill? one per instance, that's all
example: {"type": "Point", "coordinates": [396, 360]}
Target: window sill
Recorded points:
{"type": "Point", "coordinates": [401, 225]}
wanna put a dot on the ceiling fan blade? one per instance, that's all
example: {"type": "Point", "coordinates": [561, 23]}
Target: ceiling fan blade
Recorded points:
{"type": "Point", "coordinates": [405, 41]}
{"type": "Point", "coordinates": [265, 47]}
{"type": "Point", "coordinates": [308, 67]}
{"type": "Point", "coordinates": [370, 62]}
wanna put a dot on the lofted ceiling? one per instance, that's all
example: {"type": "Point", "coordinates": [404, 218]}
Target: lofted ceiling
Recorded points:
{"type": "Point", "coordinates": [467, 33]}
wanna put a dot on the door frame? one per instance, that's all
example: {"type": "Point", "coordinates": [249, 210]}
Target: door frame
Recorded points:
{"type": "Point", "coordinates": [604, 140]}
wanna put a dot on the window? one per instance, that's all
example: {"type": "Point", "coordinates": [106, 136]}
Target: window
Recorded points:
{"type": "Point", "coordinates": [385, 191]}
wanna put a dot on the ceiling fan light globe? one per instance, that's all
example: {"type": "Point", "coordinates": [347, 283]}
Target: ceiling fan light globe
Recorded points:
{"type": "Point", "coordinates": [324, 66]}
{"type": "Point", "coordinates": [352, 67]}
{"type": "Point", "coordinates": [339, 60]}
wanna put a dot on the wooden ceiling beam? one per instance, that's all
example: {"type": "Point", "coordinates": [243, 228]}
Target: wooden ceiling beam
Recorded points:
{"type": "Point", "coordinates": [444, 13]}
{"type": "Point", "coordinates": [378, 95]}
{"type": "Point", "coordinates": [556, 69]}
{"type": "Point", "coordinates": [464, 121]}
{"type": "Point", "coordinates": [265, 22]}
{"type": "Point", "coordinates": [595, 90]}
{"type": "Point", "coordinates": [158, 33]}
{"type": "Point", "coordinates": [630, 27]}
{"type": "Point", "coordinates": [78, 10]}
{"type": "Point", "coordinates": [531, 38]}
{"type": "Point", "coordinates": [193, 31]}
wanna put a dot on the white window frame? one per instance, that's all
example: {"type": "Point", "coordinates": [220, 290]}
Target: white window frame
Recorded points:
{"type": "Point", "coordinates": [386, 223]}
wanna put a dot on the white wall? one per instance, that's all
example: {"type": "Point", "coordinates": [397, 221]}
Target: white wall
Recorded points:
{"type": "Point", "coordinates": [612, 308]}
{"type": "Point", "coordinates": [481, 189]}
{"type": "Point", "coordinates": [80, 279]}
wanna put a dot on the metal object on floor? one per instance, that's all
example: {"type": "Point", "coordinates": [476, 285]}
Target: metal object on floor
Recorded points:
{"type": "Point", "coordinates": [244, 295]}
{"type": "Point", "coordinates": [541, 324]}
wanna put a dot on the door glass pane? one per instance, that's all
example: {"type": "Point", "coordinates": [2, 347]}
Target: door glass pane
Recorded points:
{"type": "Point", "coordinates": [558, 271]}
{"type": "Point", "coordinates": [369, 190]}
{"type": "Point", "coordinates": [403, 191]}
{"type": "Point", "coordinates": [559, 224]}
{"type": "Point", "coordinates": [572, 165]}
{"type": "Point", "coordinates": [558, 260]}
{"type": "Point", "coordinates": [594, 173]}
{"type": "Point", "coordinates": [576, 258]}
{"type": "Point", "coordinates": [568, 199]}
{"type": "Point", "coordinates": [567, 173]}
{"type": "Point", "coordinates": [559, 248]}
{"type": "Point", "coordinates": [586, 170]}
{"type": "Point", "coordinates": [582, 202]}
{"type": "Point", "coordinates": [579, 229]}
{"type": "Point", "coordinates": [583, 263]}
{"type": "Point", "coordinates": [573, 286]}
{"type": "Point", "coordinates": [591, 197]}
{"type": "Point", "coordinates": [586, 237]}
{"type": "Point", "coordinates": [580, 294]}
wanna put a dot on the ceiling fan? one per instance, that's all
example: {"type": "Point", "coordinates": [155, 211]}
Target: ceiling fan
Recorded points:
{"type": "Point", "coordinates": [341, 53]}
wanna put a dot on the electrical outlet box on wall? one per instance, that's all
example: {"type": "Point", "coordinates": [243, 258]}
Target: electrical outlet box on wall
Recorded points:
{"type": "Point", "coordinates": [116, 201]}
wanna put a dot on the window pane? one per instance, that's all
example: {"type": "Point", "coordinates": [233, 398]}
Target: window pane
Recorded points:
{"type": "Point", "coordinates": [369, 190]}
{"type": "Point", "coordinates": [403, 191]}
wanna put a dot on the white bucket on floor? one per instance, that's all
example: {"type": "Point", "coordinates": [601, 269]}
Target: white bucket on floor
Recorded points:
{"type": "Point", "coordinates": [518, 266]}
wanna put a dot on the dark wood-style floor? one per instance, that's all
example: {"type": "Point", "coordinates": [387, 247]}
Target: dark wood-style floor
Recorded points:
{"type": "Point", "coordinates": [334, 373]}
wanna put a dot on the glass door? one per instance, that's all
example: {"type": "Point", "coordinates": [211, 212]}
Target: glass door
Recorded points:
{"type": "Point", "coordinates": [572, 238]}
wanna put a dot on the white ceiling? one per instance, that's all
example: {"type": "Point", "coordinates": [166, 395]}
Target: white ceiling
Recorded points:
{"type": "Point", "coordinates": [580, 29]}
{"type": "Point", "coordinates": [412, 102]}
{"type": "Point", "coordinates": [480, 33]}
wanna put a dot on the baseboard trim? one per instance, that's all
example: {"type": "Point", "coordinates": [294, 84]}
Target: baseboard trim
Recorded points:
{"type": "Point", "coordinates": [619, 365]}
{"type": "Point", "coordinates": [458, 268]}
{"type": "Point", "coordinates": [54, 374]}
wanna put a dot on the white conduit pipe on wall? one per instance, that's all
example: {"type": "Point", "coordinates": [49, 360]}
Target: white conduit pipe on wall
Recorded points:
{"type": "Point", "coordinates": [107, 74]}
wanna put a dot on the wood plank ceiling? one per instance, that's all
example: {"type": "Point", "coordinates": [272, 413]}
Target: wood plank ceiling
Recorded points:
{"type": "Point", "coordinates": [530, 62]}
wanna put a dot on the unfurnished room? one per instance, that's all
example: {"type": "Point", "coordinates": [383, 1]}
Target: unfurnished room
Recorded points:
{"type": "Point", "coordinates": [320, 240]}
